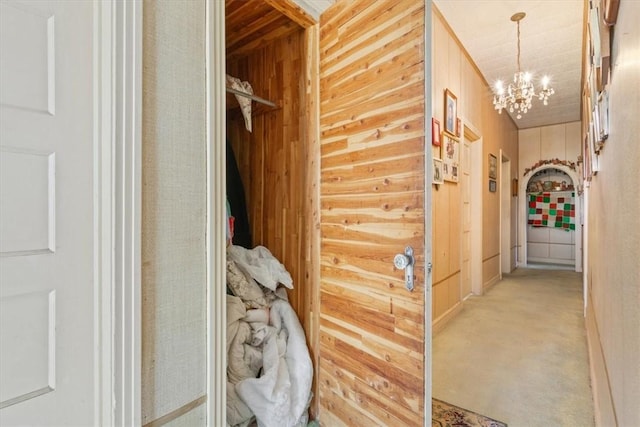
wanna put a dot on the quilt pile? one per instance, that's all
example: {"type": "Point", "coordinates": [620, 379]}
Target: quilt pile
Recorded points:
{"type": "Point", "coordinates": [556, 210]}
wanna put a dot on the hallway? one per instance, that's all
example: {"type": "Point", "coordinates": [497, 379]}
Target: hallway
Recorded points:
{"type": "Point", "coordinates": [518, 354]}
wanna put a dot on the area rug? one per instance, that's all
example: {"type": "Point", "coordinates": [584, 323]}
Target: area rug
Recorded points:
{"type": "Point", "coordinates": [447, 415]}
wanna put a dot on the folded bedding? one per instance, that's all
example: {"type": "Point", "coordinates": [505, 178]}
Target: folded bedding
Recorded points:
{"type": "Point", "coordinates": [269, 370]}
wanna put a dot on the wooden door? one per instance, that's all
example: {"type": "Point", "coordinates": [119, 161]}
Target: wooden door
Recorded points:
{"type": "Point", "coordinates": [372, 196]}
{"type": "Point", "coordinates": [48, 341]}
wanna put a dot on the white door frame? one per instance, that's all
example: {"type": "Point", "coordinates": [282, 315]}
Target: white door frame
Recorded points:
{"type": "Point", "coordinates": [117, 88]}
{"type": "Point", "coordinates": [428, 216]}
{"type": "Point", "coordinates": [504, 228]}
{"type": "Point", "coordinates": [216, 227]}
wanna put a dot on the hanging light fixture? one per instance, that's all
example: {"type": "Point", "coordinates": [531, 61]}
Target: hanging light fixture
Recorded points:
{"type": "Point", "coordinates": [517, 95]}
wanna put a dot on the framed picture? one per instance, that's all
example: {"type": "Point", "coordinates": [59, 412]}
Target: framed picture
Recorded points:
{"type": "Point", "coordinates": [492, 186]}
{"type": "Point", "coordinates": [458, 127]}
{"type": "Point", "coordinates": [610, 8]}
{"type": "Point", "coordinates": [514, 187]}
{"type": "Point", "coordinates": [435, 132]}
{"type": "Point", "coordinates": [493, 167]}
{"type": "Point", "coordinates": [438, 172]}
{"type": "Point", "coordinates": [593, 141]}
{"type": "Point", "coordinates": [586, 159]}
{"type": "Point", "coordinates": [450, 112]}
{"type": "Point", "coordinates": [450, 157]}
{"type": "Point", "coordinates": [603, 102]}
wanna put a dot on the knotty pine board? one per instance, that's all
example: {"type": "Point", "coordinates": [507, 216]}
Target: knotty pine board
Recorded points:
{"type": "Point", "coordinates": [272, 157]}
{"type": "Point", "coordinates": [371, 362]}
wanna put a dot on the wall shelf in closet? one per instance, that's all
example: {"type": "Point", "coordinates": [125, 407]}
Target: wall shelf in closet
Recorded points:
{"type": "Point", "coordinates": [252, 97]}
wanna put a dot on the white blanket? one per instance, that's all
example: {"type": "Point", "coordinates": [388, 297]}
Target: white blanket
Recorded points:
{"type": "Point", "coordinates": [260, 264]}
{"type": "Point", "coordinates": [279, 398]}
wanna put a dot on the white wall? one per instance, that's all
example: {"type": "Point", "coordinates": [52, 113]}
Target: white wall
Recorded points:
{"type": "Point", "coordinates": [613, 275]}
{"type": "Point", "coordinates": [173, 213]}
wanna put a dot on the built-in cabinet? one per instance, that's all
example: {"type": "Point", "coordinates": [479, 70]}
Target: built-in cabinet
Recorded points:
{"type": "Point", "coordinates": [550, 237]}
{"type": "Point", "coordinates": [550, 245]}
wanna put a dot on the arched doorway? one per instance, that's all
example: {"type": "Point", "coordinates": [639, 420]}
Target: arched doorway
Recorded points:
{"type": "Point", "coordinates": [550, 240]}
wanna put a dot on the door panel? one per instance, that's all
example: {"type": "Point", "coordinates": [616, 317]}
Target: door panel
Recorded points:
{"type": "Point", "coordinates": [371, 368]}
{"type": "Point", "coordinates": [46, 216]}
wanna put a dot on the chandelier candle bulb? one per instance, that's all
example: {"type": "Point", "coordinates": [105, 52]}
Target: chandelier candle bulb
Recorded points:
{"type": "Point", "coordinates": [521, 91]}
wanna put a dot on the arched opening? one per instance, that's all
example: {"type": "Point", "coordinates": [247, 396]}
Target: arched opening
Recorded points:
{"type": "Point", "coordinates": [550, 218]}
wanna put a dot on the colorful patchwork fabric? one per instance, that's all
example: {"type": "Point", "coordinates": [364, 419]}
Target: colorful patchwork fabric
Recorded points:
{"type": "Point", "coordinates": [552, 210]}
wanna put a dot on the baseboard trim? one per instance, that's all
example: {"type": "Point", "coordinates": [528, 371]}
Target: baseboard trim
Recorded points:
{"type": "Point", "coordinates": [571, 262]}
{"type": "Point", "coordinates": [177, 413]}
{"type": "Point", "coordinates": [439, 323]}
{"type": "Point", "coordinates": [488, 284]}
{"type": "Point", "coordinates": [604, 409]}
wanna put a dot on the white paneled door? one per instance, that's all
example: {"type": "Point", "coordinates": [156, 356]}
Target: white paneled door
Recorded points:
{"type": "Point", "coordinates": [48, 368]}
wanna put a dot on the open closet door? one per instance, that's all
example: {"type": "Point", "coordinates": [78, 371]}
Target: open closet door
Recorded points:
{"type": "Point", "coordinates": [372, 196]}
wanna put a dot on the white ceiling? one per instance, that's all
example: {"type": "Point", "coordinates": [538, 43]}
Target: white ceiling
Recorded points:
{"type": "Point", "coordinates": [550, 43]}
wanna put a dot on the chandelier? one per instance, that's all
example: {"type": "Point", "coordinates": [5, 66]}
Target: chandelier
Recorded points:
{"type": "Point", "coordinates": [517, 95]}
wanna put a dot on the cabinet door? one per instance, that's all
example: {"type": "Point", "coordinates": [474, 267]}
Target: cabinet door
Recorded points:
{"type": "Point", "coordinates": [372, 196]}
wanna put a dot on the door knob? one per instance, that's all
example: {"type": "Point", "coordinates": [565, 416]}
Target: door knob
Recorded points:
{"type": "Point", "coordinates": [405, 262]}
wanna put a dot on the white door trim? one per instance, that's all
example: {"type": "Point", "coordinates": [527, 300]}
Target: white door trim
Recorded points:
{"type": "Point", "coordinates": [216, 208]}
{"type": "Point", "coordinates": [117, 147]}
{"type": "Point", "coordinates": [504, 189]}
{"type": "Point", "coordinates": [428, 217]}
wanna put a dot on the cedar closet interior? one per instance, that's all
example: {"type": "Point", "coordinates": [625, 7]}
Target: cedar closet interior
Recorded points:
{"type": "Point", "coordinates": [267, 49]}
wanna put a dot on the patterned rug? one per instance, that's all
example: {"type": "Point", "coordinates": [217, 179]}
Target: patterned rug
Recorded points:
{"type": "Point", "coordinates": [448, 415]}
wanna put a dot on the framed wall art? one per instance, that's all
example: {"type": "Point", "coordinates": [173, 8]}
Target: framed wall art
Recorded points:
{"type": "Point", "coordinates": [492, 186]}
{"type": "Point", "coordinates": [438, 172]}
{"type": "Point", "coordinates": [450, 158]}
{"type": "Point", "coordinates": [435, 132]}
{"type": "Point", "coordinates": [493, 167]}
{"type": "Point", "coordinates": [450, 112]}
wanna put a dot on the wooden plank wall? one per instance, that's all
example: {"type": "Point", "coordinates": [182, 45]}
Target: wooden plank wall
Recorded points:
{"type": "Point", "coordinates": [372, 206]}
{"type": "Point", "coordinates": [268, 50]}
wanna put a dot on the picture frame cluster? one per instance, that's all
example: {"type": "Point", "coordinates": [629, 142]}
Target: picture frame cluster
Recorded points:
{"type": "Point", "coordinates": [446, 164]}
{"type": "Point", "coordinates": [602, 17]}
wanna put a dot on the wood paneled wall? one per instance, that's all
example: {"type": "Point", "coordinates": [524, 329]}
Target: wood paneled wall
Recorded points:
{"type": "Point", "coordinates": [372, 206]}
{"type": "Point", "coordinates": [453, 69]}
{"type": "Point", "coordinates": [272, 158]}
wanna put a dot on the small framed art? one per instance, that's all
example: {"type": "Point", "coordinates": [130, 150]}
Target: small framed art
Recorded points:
{"type": "Point", "coordinates": [450, 112]}
{"type": "Point", "coordinates": [438, 173]}
{"type": "Point", "coordinates": [493, 167]}
{"type": "Point", "coordinates": [435, 132]}
{"type": "Point", "coordinates": [450, 157]}
{"type": "Point", "coordinates": [492, 186]}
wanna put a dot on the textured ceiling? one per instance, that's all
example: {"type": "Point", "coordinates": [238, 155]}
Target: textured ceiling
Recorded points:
{"type": "Point", "coordinates": [550, 43]}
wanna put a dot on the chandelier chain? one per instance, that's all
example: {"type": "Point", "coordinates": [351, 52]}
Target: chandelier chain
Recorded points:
{"type": "Point", "coordinates": [518, 23]}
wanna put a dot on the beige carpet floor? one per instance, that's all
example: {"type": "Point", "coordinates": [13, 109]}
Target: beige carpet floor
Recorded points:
{"type": "Point", "coordinates": [518, 354]}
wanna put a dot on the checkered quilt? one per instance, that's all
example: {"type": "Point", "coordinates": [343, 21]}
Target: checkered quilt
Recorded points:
{"type": "Point", "coordinates": [552, 210]}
